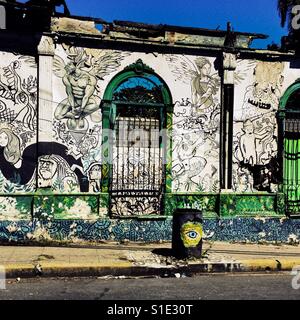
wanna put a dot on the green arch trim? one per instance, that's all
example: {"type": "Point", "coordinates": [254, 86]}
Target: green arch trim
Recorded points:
{"type": "Point", "coordinates": [108, 113]}
{"type": "Point", "coordinates": [134, 70]}
{"type": "Point", "coordinates": [288, 92]}
{"type": "Point", "coordinates": [281, 139]}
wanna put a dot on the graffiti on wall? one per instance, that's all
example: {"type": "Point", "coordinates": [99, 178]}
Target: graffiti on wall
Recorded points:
{"type": "Point", "coordinates": [15, 208]}
{"type": "Point", "coordinates": [49, 207]}
{"type": "Point", "coordinates": [18, 122]}
{"type": "Point", "coordinates": [77, 117]}
{"type": "Point", "coordinates": [196, 125]}
{"type": "Point", "coordinates": [255, 131]}
{"type": "Point", "coordinates": [87, 146]}
{"type": "Point", "coordinates": [94, 176]}
{"type": "Point", "coordinates": [80, 87]}
{"type": "Point", "coordinates": [238, 229]}
{"type": "Point", "coordinates": [191, 234]}
{"type": "Point", "coordinates": [54, 171]}
{"type": "Point", "coordinates": [263, 95]}
{"type": "Point", "coordinates": [81, 75]}
{"type": "Point", "coordinates": [18, 95]}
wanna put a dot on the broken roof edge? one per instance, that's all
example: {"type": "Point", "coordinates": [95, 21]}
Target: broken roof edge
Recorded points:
{"type": "Point", "coordinates": [82, 18]}
{"type": "Point", "coordinates": [131, 26]}
{"type": "Point", "coordinates": [163, 33]}
{"type": "Point", "coordinates": [187, 30]}
{"type": "Point", "coordinates": [237, 50]}
{"type": "Point", "coordinates": [165, 27]}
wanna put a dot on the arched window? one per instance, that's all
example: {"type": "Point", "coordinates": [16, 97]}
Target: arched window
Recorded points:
{"type": "Point", "coordinates": [293, 101]}
{"type": "Point", "coordinates": [289, 147]}
{"type": "Point", "coordinates": [147, 89]}
{"type": "Point", "coordinates": [135, 108]}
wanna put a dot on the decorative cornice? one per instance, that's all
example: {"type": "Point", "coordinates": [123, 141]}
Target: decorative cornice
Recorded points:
{"type": "Point", "coordinates": [46, 46]}
{"type": "Point", "coordinates": [229, 61]}
{"type": "Point", "coordinates": [139, 67]}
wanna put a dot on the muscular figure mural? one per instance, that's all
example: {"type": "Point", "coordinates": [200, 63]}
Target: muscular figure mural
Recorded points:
{"type": "Point", "coordinates": [77, 116]}
{"type": "Point", "coordinates": [80, 87]}
{"type": "Point", "coordinates": [80, 75]}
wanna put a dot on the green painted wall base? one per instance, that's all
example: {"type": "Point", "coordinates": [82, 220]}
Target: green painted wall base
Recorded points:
{"type": "Point", "coordinates": [228, 204]}
{"type": "Point", "coordinates": [47, 206]}
{"type": "Point", "coordinates": [251, 204]}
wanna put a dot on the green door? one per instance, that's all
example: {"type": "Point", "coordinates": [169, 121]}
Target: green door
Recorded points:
{"type": "Point", "coordinates": [291, 170]}
{"type": "Point", "coordinates": [289, 134]}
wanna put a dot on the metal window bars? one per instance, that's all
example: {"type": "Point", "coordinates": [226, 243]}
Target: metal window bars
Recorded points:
{"type": "Point", "coordinates": [137, 175]}
{"type": "Point", "coordinates": [291, 163]}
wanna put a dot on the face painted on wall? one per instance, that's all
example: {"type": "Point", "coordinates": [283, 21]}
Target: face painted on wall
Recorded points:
{"type": "Point", "coordinates": [206, 69]}
{"type": "Point", "coordinates": [3, 139]}
{"type": "Point", "coordinates": [248, 127]}
{"type": "Point", "coordinates": [191, 234]}
{"type": "Point", "coordinates": [95, 172]}
{"type": "Point", "coordinates": [47, 169]}
{"type": "Point", "coordinates": [267, 86]}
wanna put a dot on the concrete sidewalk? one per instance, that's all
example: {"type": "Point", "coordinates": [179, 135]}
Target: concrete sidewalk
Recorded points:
{"type": "Point", "coordinates": [140, 259]}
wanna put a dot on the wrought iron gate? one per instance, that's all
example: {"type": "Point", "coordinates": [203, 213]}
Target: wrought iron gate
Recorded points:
{"type": "Point", "coordinates": [137, 173]}
{"type": "Point", "coordinates": [135, 105]}
{"type": "Point", "coordinates": [291, 164]}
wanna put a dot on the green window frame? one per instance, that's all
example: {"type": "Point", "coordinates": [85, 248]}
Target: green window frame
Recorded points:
{"type": "Point", "coordinates": [289, 150]}
{"type": "Point", "coordinates": [109, 107]}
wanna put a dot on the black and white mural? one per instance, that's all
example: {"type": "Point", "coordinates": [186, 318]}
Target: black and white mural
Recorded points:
{"type": "Point", "coordinates": [196, 125]}
{"type": "Point", "coordinates": [18, 121]}
{"type": "Point", "coordinates": [71, 161]}
{"type": "Point", "coordinates": [255, 128]}
{"type": "Point", "coordinates": [79, 76]}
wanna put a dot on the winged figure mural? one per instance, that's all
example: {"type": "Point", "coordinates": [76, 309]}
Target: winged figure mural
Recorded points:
{"type": "Point", "coordinates": [197, 73]}
{"type": "Point", "coordinates": [80, 75]}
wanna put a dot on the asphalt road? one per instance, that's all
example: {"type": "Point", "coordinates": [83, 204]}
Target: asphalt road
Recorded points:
{"type": "Point", "coordinates": [203, 287]}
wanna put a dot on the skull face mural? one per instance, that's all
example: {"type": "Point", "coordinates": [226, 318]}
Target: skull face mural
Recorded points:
{"type": "Point", "coordinates": [255, 131]}
{"type": "Point", "coordinates": [263, 95]}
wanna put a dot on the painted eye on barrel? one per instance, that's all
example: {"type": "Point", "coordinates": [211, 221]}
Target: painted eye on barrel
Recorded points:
{"type": "Point", "coordinates": [192, 234]}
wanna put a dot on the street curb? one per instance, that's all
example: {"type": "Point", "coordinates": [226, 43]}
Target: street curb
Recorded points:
{"type": "Point", "coordinates": [269, 264]}
{"type": "Point", "coordinates": [134, 271]}
{"type": "Point", "coordinates": [261, 265]}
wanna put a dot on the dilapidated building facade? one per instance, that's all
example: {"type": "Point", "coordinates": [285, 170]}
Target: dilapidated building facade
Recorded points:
{"type": "Point", "coordinates": [106, 128]}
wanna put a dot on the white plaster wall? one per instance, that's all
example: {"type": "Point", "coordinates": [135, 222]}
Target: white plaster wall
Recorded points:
{"type": "Point", "coordinates": [255, 134]}
{"type": "Point", "coordinates": [195, 123]}
{"type": "Point", "coordinates": [18, 121]}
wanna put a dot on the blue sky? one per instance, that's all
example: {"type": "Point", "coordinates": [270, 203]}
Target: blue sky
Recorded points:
{"type": "Point", "coordinates": [258, 16]}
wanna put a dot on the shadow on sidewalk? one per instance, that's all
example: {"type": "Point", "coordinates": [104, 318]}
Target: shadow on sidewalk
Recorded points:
{"type": "Point", "coordinates": [166, 252]}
